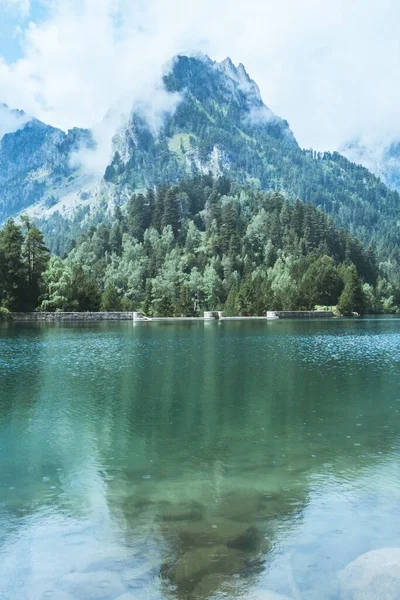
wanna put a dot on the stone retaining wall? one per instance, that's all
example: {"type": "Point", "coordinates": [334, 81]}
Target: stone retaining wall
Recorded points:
{"type": "Point", "coordinates": [72, 316]}
{"type": "Point", "coordinates": [55, 317]}
{"type": "Point", "coordinates": [302, 314]}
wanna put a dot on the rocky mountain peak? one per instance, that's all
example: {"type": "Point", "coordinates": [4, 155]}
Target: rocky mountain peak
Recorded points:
{"type": "Point", "coordinates": [11, 120]}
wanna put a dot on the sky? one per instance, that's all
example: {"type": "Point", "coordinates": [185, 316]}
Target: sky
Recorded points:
{"type": "Point", "coordinates": [330, 68]}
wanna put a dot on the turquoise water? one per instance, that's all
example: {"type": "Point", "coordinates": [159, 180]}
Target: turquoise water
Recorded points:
{"type": "Point", "coordinates": [196, 460]}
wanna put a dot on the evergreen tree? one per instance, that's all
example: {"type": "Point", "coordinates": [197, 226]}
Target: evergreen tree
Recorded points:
{"type": "Point", "coordinates": [138, 216]}
{"type": "Point", "coordinates": [171, 214]}
{"type": "Point", "coordinates": [110, 300]}
{"type": "Point", "coordinates": [117, 231]}
{"type": "Point", "coordinates": [36, 257]}
{"type": "Point", "coordinates": [12, 282]}
{"type": "Point", "coordinates": [185, 304]}
{"type": "Point", "coordinates": [85, 290]}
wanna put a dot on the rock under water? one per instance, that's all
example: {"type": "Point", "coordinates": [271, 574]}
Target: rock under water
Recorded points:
{"type": "Point", "coordinates": [372, 576]}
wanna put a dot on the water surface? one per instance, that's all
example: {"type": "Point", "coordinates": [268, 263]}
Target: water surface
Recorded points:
{"type": "Point", "coordinates": [195, 461]}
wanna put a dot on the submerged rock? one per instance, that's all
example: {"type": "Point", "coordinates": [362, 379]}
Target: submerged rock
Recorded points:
{"type": "Point", "coordinates": [373, 575]}
{"type": "Point", "coordinates": [257, 506]}
{"type": "Point", "coordinates": [216, 585]}
{"type": "Point", "coordinates": [213, 584]}
{"type": "Point", "coordinates": [195, 564]}
{"type": "Point", "coordinates": [96, 585]}
{"type": "Point", "coordinates": [53, 595]}
{"type": "Point", "coordinates": [265, 595]}
{"type": "Point", "coordinates": [193, 511]}
{"type": "Point", "coordinates": [250, 540]}
{"type": "Point", "coordinates": [218, 531]}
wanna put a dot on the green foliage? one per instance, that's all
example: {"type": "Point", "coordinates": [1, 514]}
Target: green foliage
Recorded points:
{"type": "Point", "coordinates": [321, 284]}
{"type": "Point", "coordinates": [69, 288]}
{"type": "Point", "coordinates": [209, 244]}
{"type": "Point", "coordinates": [58, 285]}
{"type": "Point", "coordinates": [36, 257]}
{"type": "Point", "coordinates": [23, 260]}
{"type": "Point", "coordinates": [352, 298]}
{"type": "Point", "coordinates": [204, 244]}
{"type": "Point", "coordinates": [12, 280]}
{"type": "Point", "coordinates": [5, 314]}
{"type": "Point", "coordinates": [110, 299]}
{"type": "Point", "coordinates": [85, 291]}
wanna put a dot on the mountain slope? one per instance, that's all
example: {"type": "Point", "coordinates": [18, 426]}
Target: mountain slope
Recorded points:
{"type": "Point", "coordinates": [35, 165]}
{"type": "Point", "coordinates": [220, 125]}
{"type": "Point", "coordinates": [208, 244]}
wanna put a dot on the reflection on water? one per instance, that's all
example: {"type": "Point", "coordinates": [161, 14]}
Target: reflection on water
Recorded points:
{"type": "Point", "coordinates": [209, 460]}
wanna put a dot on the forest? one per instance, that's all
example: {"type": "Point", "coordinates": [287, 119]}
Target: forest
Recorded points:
{"type": "Point", "coordinates": [203, 244]}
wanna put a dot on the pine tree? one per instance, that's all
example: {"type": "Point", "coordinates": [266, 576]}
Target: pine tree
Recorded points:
{"type": "Point", "coordinates": [85, 290]}
{"type": "Point", "coordinates": [138, 220]}
{"type": "Point", "coordinates": [171, 214]}
{"type": "Point", "coordinates": [117, 231]}
{"type": "Point", "coordinates": [185, 304]}
{"type": "Point", "coordinates": [110, 300]}
{"type": "Point", "coordinates": [36, 257]}
{"type": "Point", "coordinates": [12, 283]}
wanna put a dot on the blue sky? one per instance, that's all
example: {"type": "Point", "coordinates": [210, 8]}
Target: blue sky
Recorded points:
{"type": "Point", "coordinates": [12, 20]}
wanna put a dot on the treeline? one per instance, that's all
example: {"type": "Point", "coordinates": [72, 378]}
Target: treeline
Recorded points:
{"type": "Point", "coordinates": [209, 244]}
{"type": "Point", "coordinates": [23, 261]}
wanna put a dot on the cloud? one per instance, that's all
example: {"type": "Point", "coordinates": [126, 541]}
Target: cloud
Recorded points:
{"type": "Point", "coordinates": [11, 120]}
{"type": "Point", "coordinates": [259, 115]}
{"type": "Point", "coordinates": [21, 6]}
{"type": "Point", "coordinates": [152, 104]}
{"type": "Point", "coordinates": [328, 68]}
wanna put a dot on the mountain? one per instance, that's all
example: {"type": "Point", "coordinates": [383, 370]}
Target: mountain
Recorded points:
{"type": "Point", "coordinates": [35, 162]}
{"type": "Point", "coordinates": [220, 125]}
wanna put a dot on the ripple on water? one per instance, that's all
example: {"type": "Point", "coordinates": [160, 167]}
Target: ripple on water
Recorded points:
{"type": "Point", "coordinates": [179, 463]}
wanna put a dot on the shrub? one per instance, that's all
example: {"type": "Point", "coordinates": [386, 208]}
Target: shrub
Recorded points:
{"type": "Point", "coordinates": [5, 314]}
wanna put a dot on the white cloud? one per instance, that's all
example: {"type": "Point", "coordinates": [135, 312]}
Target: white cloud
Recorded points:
{"type": "Point", "coordinates": [152, 105]}
{"type": "Point", "coordinates": [329, 68]}
{"type": "Point", "coordinates": [22, 6]}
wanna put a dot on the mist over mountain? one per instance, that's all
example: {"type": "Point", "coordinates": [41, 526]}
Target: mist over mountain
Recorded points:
{"type": "Point", "coordinates": [382, 160]}
{"type": "Point", "coordinates": [212, 120]}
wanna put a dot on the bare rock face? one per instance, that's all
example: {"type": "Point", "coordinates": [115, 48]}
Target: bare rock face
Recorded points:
{"type": "Point", "coordinates": [374, 575]}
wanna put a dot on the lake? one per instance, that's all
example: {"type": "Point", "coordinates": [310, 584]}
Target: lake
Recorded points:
{"type": "Point", "coordinates": [160, 461]}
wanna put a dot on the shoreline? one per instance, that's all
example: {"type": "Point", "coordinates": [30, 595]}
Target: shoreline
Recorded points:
{"type": "Point", "coordinates": [85, 317]}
